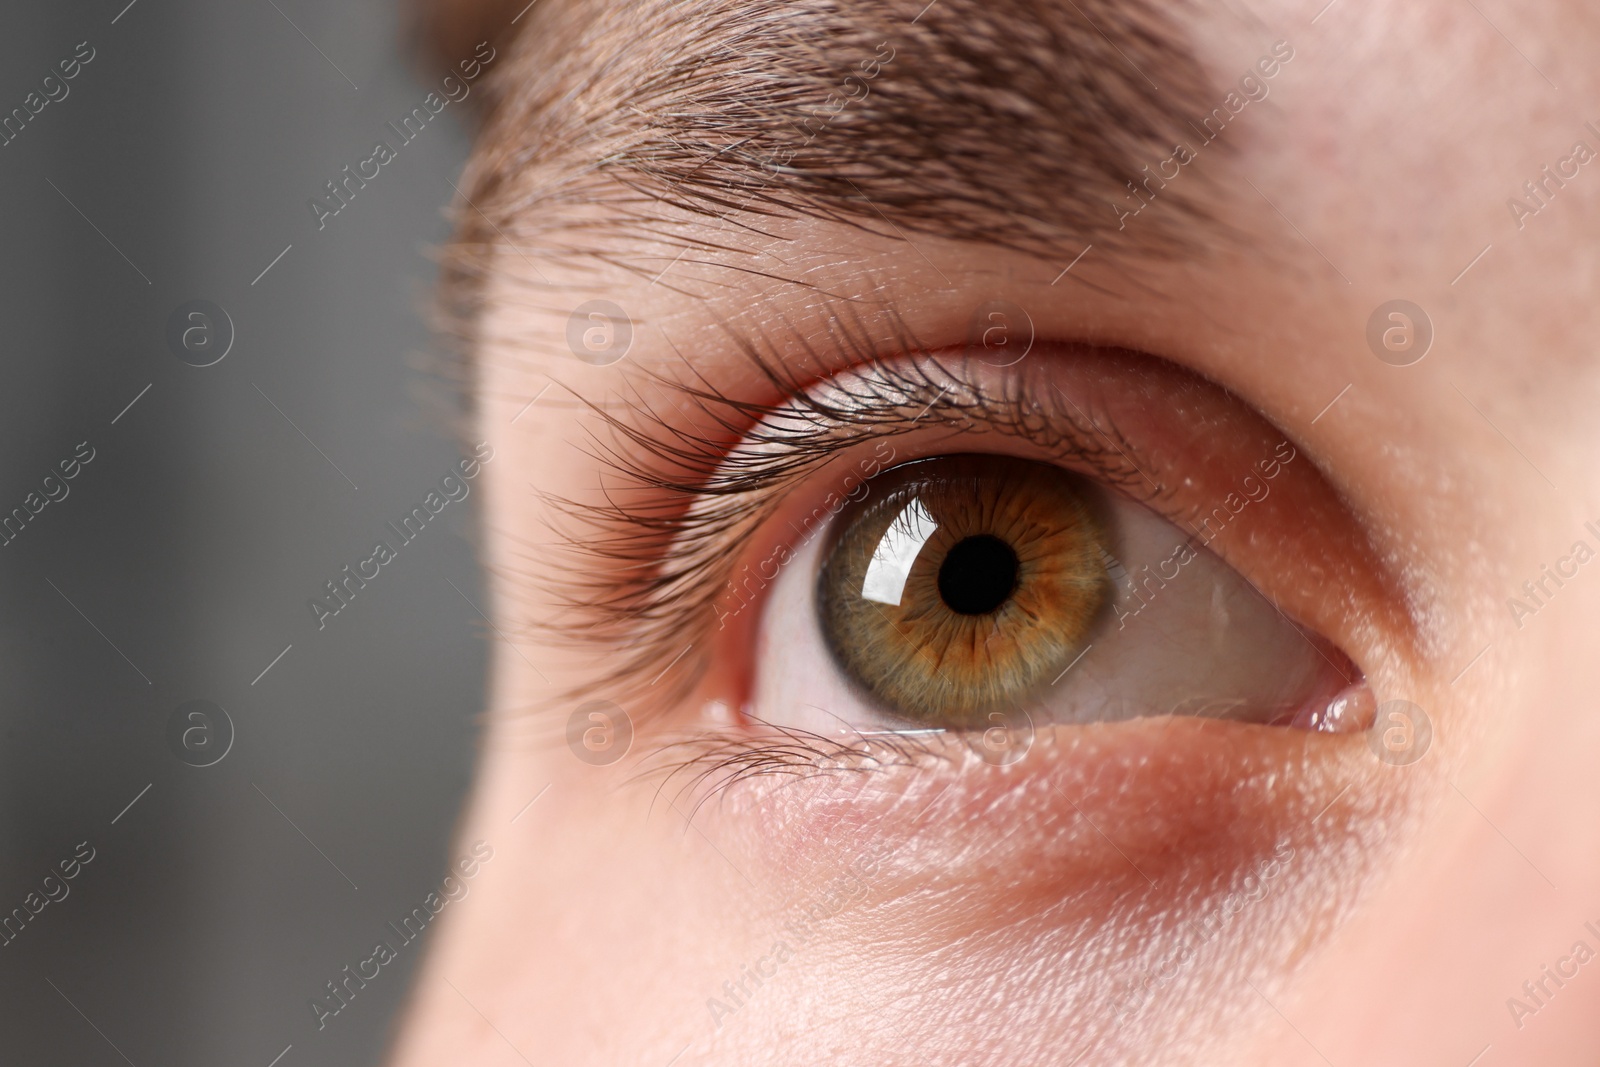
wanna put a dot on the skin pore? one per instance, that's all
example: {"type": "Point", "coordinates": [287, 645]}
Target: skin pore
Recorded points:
{"type": "Point", "coordinates": [1159, 890]}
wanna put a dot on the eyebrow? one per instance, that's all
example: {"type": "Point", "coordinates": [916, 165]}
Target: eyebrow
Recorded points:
{"type": "Point", "coordinates": [1027, 124]}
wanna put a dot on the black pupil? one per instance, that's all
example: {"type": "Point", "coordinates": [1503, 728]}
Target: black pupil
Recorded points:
{"type": "Point", "coordinates": [978, 575]}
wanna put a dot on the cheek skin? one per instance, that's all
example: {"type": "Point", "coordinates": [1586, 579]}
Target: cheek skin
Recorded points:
{"type": "Point", "coordinates": [1070, 876]}
{"type": "Point", "coordinates": [992, 923]}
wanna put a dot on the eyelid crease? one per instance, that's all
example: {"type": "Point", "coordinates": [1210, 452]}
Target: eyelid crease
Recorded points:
{"type": "Point", "coordinates": [650, 563]}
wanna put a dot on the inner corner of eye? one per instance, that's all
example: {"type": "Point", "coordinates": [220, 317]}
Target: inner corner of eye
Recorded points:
{"type": "Point", "coordinates": [959, 591]}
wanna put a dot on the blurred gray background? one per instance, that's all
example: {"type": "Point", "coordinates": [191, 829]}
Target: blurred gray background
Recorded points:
{"type": "Point", "coordinates": [180, 563]}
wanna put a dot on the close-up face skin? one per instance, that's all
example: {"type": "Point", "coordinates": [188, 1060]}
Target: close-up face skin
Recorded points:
{"type": "Point", "coordinates": [1032, 533]}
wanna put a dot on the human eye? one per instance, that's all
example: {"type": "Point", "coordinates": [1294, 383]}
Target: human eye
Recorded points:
{"type": "Point", "coordinates": [935, 546]}
{"type": "Point", "coordinates": [979, 590]}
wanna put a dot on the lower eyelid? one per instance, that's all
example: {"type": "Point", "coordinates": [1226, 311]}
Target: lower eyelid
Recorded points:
{"type": "Point", "coordinates": [1119, 826]}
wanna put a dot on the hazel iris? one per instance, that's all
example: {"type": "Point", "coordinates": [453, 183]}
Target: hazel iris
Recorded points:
{"type": "Point", "coordinates": [963, 584]}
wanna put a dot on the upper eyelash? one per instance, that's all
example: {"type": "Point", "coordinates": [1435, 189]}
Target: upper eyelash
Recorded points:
{"type": "Point", "coordinates": [650, 563]}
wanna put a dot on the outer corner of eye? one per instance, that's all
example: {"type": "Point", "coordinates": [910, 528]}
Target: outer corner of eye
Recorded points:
{"type": "Point", "coordinates": [958, 591]}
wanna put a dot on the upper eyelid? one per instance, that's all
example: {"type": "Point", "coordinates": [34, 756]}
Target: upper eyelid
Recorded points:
{"type": "Point", "coordinates": [657, 563]}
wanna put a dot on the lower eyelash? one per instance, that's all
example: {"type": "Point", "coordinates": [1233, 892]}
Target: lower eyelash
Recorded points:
{"type": "Point", "coordinates": [706, 764]}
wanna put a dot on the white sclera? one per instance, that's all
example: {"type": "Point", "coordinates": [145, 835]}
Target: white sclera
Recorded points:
{"type": "Point", "coordinates": [1186, 638]}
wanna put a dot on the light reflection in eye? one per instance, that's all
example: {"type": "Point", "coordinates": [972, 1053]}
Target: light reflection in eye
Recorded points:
{"type": "Point", "coordinates": [896, 553]}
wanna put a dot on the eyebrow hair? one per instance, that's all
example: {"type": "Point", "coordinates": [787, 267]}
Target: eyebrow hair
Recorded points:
{"type": "Point", "coordinates": [1019, 123]}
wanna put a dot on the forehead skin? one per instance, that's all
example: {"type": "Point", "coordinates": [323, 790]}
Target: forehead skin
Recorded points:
{"type": "Point", "coordinates": [1379, 167]}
